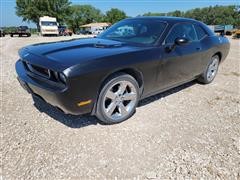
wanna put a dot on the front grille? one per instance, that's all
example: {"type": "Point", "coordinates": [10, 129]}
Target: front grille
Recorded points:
{"type": "Point", "coordinates": [38, 70]}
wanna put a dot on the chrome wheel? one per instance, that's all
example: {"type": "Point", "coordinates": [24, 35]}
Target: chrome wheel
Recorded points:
{"type": "Point", "coordinates": [119, 100]}
{"type": "Point", "coordinates": [212, 69]}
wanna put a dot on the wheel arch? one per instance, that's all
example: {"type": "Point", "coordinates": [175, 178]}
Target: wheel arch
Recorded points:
{"type": "Point", "coordinates": [219, 54]}
{"type": "Point", "coordinates": [136, 74]}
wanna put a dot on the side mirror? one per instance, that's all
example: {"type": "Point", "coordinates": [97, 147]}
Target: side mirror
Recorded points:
{"type": "Point", "coordinates": [181, 41]}
{"type": "Point", "coordinates": [178, 42]}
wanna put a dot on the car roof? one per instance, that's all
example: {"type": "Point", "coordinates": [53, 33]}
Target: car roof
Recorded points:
{"type": "Point", "coordinates": [173, 20]}
{"type": "Point", "coordinates": [23, 26]}
{"type": "Point", "coordinates": [166, 18]}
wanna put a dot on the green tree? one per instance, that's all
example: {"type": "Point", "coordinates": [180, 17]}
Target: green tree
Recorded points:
{"type": "Point", "coordinates": [32, 10]}
{"type": "Point", "coordinates": [83, 14]}
{"type": "Point", "coordinates": [216, 15]}
{"type": "Point", "coordinates": [176, 13]}
{"type": "Point", "coordinates": [114, 15]}
{"type": "Point", "coordinates": [154, 14]}
{"type": "Point", "coordinates": [212, 15]}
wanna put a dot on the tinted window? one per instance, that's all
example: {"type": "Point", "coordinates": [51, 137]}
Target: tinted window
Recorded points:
{"type": "Point", "coordinates": [23, 28]}
{"type": "Point", "coordinates": [184, 30]}
{"type": "Point", "coordinates": [135, 31]}
{"type": "Point", "coordinates": [48, 23]}
{"type": "Point", "coordinates": [200, 32]}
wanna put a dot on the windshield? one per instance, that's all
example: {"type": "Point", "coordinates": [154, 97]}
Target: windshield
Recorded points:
{"type": "Point", "coordinates": [48, 23]}
{"type": "Point", "coordinates": [23, 28]}
{"type": "Point", "coordinates": [141, 31]}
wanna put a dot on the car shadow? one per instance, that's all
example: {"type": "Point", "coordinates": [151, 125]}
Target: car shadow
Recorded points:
{"type": "Point", "coordinates": [71, 121]}
{"type": "Point", "coordinates": [74, 121]}
{"type": "Point", "coordinates": [158, 96]}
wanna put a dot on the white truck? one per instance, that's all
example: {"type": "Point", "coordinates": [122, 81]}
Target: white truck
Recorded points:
{"type": "Point", "coordinates": [48, 26]}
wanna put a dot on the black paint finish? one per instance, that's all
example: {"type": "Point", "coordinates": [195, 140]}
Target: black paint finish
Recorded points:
{"type": "Point", "coordinates": [86, 63]}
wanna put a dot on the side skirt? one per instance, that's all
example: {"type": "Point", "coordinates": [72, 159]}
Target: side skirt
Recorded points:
{"type": "Point", "coordinates": [166, 89]}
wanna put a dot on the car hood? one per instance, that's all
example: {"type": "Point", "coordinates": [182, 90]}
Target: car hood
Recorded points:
{"type": "Point", "coordinates": [63, 54]}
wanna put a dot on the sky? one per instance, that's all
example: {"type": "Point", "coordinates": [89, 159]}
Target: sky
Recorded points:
{"type": "Point", "coordinates": [131, 7]}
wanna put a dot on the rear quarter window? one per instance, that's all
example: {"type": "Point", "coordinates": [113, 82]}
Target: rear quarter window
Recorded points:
{"type": "Point", "coordinates": [201, 33]}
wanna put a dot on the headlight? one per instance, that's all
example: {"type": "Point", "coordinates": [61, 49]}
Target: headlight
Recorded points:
{"type": "Point", "coordinates": [62, 78]}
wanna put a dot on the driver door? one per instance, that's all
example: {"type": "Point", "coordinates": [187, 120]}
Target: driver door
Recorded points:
{"type": "Point", "coordinates": [183, 62]}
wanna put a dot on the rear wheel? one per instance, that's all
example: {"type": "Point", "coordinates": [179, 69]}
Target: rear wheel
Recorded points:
{"type": "Point", "coordinates": [118, 99]}
{"type": "Point", "coordinates": [210, 73]}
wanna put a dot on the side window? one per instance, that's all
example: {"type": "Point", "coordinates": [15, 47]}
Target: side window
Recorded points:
{"type": "Point", "coordinates": [125, 31]}
{"type": "Point", "coordinates": [184, 30]}
{"type": "Point", "coordinates": [200, 32]}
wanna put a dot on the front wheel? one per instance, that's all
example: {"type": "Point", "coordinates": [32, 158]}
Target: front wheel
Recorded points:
{"type": "Point", "coordinates": [118, 99]}
{"type": "Point", "coordinates": [211, 71]}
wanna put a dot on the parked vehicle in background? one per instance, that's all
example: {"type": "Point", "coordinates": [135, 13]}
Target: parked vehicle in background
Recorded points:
{"type": "Point", "coordinates": [97, 31]}
{"type": "Point", "coordinates": [84, 32]}
{"type": "Point", "coordinates": [223, 29]}
{"type": "Point", "coordinates": [96, 28]}
{"type": "Point", "coordinates": [211, 27]}
{"type": "Point", "coordinates": [64, 31]}
{"type": "Point", "coordinates": [228, 29]}
{"type": "Point", "coordinates": [236, 33]}
{"type": "Point", "coordinates": [2, 33]}
{"type": "Point", "coordinates": [21, 31]}
{"type": "Point", "coordinates": [48, 26]}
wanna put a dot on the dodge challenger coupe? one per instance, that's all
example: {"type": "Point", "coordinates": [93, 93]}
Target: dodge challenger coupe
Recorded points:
{"type": "Point", "coordinates": [136, 58]}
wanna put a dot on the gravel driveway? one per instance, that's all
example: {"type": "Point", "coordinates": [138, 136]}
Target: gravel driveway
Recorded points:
{"type": "Point", "coordinates": [191, 131]}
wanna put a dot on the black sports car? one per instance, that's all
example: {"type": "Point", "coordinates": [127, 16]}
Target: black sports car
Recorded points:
{"type": "Point", "coordinates": [135, 58]}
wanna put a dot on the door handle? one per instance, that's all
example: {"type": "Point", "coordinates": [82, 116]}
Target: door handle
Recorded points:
{"type": "Point", "coordinates": [198, 48]}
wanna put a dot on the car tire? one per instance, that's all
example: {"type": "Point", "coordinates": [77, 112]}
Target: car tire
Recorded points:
{"type": "Point", "coordinates": [211, 71]}
{"type": "Point", "coordinates": [118, 99]}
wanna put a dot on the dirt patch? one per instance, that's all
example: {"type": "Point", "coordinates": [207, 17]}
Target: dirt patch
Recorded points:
{"type": "Point", "coordinates": [192, 131]}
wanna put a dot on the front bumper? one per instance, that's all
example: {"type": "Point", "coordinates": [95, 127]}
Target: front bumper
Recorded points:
{"type": "Point", "coordinates": [62, 97]}
{"type": "Point", "coordinates": [50, 33]}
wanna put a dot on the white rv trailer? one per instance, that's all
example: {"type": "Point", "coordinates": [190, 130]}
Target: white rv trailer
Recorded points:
{"type": "Point", "coordinates": [48, 26]}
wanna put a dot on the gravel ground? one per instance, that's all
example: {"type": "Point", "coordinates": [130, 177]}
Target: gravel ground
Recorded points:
{"type": "Point", "coordinates": [192, 131]}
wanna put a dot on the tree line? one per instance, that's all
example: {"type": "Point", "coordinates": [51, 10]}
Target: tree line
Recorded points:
{"type": "Point", "coordinates": [213, 15]}
{"type": "Point", "coordinates": [72, 15]}
{"type": "Point", "coordinates": [76, 15]}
